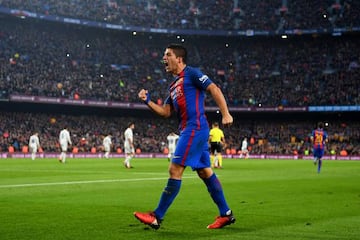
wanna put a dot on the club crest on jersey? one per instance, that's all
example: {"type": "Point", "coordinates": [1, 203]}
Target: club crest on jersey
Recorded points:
{"type": "Point", "coordinates": [203, 78]}
{"type": "Point", "coordinates": [177, 92]}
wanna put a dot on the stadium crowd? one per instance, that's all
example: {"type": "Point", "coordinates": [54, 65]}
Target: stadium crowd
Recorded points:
{"type": "Point", "coordinates": [271, 15]}
{"type": "Point", "coordinates": [40, 58]}
{"type": "Point", "coordinates": [87, 131]}
{"type": "Point", "coordinates": [53, 60]}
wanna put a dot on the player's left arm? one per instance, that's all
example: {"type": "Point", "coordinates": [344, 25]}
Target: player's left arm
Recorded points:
{"type": "Point", "coordinates": [219, 98]}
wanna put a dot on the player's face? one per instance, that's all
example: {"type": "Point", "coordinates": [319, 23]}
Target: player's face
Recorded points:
{"type": "Point", "coordinates": [171, 61]}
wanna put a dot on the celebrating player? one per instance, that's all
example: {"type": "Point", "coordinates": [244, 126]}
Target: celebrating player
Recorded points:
{"type": "Point", "coordinates": [186, 97]}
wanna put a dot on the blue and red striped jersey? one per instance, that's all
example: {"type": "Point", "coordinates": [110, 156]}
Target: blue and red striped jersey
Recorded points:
{"type": "Point", "coordinates": [319, 136]}
{"type": "Point", "coordinates": [187, 97]}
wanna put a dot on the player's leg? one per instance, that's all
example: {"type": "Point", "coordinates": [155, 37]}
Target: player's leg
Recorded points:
{"type": "Point", "coordinates": [219, 160]}
{"type": "Point", "coordinates": [188, 142]}
{"type": "Point", "coordinates": [246, 154]}
{"type": "Point", "coordinates": [107, 152]}
{"type": "Point", "coordinates": [319, 165]}
{"type": "Point", "coordinates": [64, 157]}
{"type": "Point", "coordinates": [216, 155]}
{"type": "Point", "coordinates": [171, 190]}
{"type": "Point", "coordinates": [212, 155]}
{"type": "Point", "coordinates": [219, 155]}
{"type": "Point", "coordinates": [315, 160]}
{"type": "Point", "coordinates": [128, 157]}
{"type": "Point", "coordinates": [129, 151]}
{"type": "Point", "coordinates": [169, 156]}
{"type": "Point", "coordinates": [33, 153]}
{"type": "Point", "coordinates": [321, 153]}
{"type": "Point", "coordinates": [216, 192]}
{"type": "Point", "coordinates": [176, 169]}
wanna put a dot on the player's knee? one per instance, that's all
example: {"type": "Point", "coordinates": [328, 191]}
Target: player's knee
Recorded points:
{"type": "Point", "coordinates": [204, 173]}
{"type": "Point", "coordinates": [176, 171]}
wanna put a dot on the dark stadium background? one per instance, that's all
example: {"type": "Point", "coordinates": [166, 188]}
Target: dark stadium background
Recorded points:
{"type": "Point", "coordinates": [273, 69]}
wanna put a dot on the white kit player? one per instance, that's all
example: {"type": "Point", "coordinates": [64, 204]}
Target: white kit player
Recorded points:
{"type": "Point", "coordinates": [34, 145]}
{"type": "Point", "coordinates": [244, 149]}
{"type": "Point", "coordinates": [65, 141]}
{"type": "Point", "coordinates": [107, 145]}
{"type": "Point", "coordinates": [172, 140]}
{"type": "Point", "coordinates": [129, 145]}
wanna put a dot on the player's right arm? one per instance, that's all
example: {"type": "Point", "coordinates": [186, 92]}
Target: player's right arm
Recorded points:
{"type": "Point", "coordinates": [163, 111]}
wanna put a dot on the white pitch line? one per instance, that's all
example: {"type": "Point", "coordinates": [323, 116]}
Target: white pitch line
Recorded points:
{"type": "Point", "coordinates": [83, 182]}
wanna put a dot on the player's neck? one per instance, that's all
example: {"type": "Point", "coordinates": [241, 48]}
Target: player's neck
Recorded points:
{"type": "Point", "coordinates": [180, 68]}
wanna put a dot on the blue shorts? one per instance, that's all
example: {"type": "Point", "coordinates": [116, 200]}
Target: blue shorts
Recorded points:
{"type": "Point", "coordinates": [318, 152]}
{"type": "Point", "coordinates": [192, 149]}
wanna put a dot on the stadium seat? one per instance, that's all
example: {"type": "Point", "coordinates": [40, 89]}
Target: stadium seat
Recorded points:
{"type": "Point", "coordinates": [25, 149]}
{"type": "Point", "coordinates": [93, 150]}
{"type": "Point", "coordinates": [75, 150]}
{"type": "Point", "coordinates": [166, 151]}
{"type": "Point", "coordinates": [343, 153]}
{"type": "Point", "coordinates": [11, 149]}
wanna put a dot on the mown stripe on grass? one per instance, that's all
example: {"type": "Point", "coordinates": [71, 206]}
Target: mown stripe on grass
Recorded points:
{"type": "Point", "coordinates": [84, 182]}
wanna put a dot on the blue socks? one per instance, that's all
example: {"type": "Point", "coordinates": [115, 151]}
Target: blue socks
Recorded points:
{"type": "Point", "coordinates": [173, 187]}
{"type": "Point", "coordinates": [319, 166]}
{"type": "Point", "coordinates": [215, 189]}
{"type": "Point", "coordinates": [170, 192]}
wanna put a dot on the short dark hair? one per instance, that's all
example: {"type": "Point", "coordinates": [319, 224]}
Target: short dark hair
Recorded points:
{"type": "Point", "coordinates": [131, 123]}
{"type": "Point", "coordinates": [320, 125]}
{"type": "Point", "coordinates": [179, 50]}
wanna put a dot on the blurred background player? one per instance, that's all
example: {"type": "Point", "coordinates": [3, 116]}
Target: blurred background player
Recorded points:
{"type": "Point", "coordinates": [34, 145]}
{"type": "Point", "coordinates": [64, 140]}
{"type": "Point", "coordinates": [172, 140]}
{"type": "Point", "coordinates": [319, 137]}
{"type": "Point", "coordinates": [107, 145]}
{"type": "Point", "coordinates": [129, 145]}
{"type": "Point", "coordinates": [217, 141]}
{"type": "Point", "coordinates": [244, 149]}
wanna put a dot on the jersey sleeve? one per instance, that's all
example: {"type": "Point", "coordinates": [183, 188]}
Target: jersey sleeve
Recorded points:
{"type": "Point", "coordinates": [199, 79]}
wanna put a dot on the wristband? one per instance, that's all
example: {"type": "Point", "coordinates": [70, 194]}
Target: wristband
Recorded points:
{"type": "Point", "coordinates": [147, 100]}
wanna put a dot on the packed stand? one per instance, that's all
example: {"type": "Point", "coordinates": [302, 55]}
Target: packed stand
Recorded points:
{"type": "Point", "coordinates": [272, 15]}
{"type": "Point", "coordinates": [55, 60]}
{"type": "Point", "coordinates": [87, 131]}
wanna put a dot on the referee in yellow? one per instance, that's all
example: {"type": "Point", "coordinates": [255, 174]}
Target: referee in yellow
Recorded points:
{"type": "Point", "coordinates": [217, 141]}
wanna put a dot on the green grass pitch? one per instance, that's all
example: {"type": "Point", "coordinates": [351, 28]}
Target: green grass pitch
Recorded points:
{"type": "Point", "coordinates": [95, 199]}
